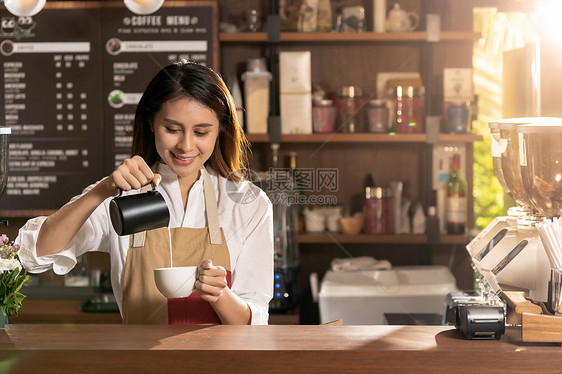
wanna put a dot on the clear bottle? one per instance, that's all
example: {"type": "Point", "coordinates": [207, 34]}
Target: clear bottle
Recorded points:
{"type": "Point", "coordinates": [456, 200]}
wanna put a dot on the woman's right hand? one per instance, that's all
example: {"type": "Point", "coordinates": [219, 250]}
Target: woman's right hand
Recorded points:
{"type": "Point", "coordinates": [60, 227]}
{"type": "Point", "coordinates": [133, 173]}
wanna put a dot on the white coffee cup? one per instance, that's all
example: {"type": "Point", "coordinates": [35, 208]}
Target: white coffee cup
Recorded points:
{"type": "Point", "coordinates": [175, 282]}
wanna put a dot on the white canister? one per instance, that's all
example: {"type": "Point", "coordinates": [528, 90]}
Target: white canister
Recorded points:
{"type": "Point", "coordinates": [333, 215]}
{"type": "Point", "coordinates": [256, 99]}
{"type": "Point", "coordinates": [379, 15]}
{"type": "Point", "coordinates": [314, 220]}
{"type": "Point", "coordinates": [295, 87]}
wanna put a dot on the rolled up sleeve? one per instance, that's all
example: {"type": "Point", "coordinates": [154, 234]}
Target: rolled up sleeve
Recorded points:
{"type": "Point", "coordinates": [253, 276]}
{"type": "Point", "coordinates": [91, 237]}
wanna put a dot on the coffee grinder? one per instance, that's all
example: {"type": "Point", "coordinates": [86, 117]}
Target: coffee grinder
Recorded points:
{"type": "Point", "coordinates": [4, 132]}
{"type": "Point", "coordinates": [508, 254]}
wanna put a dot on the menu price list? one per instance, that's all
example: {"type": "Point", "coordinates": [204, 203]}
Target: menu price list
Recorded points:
{"type": "Point", "coordinates": [72, 78]}
{"type": "Point", "coordinates": [50, 76]}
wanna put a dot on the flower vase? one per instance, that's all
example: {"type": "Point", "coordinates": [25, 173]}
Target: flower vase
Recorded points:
{"type": "Point", "coordinates": [4, 321]}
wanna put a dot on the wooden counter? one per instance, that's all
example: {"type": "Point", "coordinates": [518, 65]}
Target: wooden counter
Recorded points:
{"type": "Point", "coordinates": [68, 311]}
{"type": "Point", "coordinates": [61, 311]}
{"type": "Point", "coordinates": [50, 348]}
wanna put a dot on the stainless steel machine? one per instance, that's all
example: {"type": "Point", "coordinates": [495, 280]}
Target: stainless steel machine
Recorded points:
{"type": "Point", "coordinates": [508, 254]}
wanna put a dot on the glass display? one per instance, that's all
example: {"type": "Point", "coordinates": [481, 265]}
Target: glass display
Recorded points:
{"type": "Point", "coordinates": [510, 165]}
{"type": "Point", "coordinates": [541, 165]}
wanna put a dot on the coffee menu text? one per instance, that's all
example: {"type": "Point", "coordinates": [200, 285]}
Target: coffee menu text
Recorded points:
{"type": "Point", "coordinates": [71, 80]}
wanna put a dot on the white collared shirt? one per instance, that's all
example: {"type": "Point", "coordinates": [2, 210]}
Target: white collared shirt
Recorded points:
{"type": "Point", "coordinates": [245, 215]}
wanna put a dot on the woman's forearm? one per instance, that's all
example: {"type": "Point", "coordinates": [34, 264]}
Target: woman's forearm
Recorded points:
{"type": "Point", "coordinates": [231, 309]}
{"type": "Point", "coordinates": [60, 227]}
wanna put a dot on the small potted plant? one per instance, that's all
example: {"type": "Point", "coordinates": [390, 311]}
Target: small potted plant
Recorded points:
{"type": "Point", "coordinates": [12, 277]}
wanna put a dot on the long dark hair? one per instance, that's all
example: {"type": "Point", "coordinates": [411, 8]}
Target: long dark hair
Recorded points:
{"type": "Point", "coordinates": [186, 79]}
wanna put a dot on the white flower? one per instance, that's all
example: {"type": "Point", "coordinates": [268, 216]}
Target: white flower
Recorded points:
{"type": "Point", "coordinates": [9, 265]}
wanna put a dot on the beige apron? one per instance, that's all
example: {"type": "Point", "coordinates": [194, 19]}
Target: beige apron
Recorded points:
{"type": "Point", "coordinates": [142, 302]}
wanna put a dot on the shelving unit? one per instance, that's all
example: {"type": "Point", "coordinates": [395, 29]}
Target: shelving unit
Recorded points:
{"type": "Point", "coordinates": [334, 238]}
{"type": "Point", "coordinates": [365, 138]}
{"type": "Point", "coordinates": [419, 36]}
{"type": "Point", "coordinates": [340, 59]}
{"type": "Point", "coordinates": [241, 45]}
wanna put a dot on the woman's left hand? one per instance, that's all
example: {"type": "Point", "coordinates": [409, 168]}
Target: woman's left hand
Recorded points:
{"type": "Point", "coordinates": [211, 281]}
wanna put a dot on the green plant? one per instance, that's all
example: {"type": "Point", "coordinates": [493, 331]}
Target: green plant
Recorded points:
{"type": "Point", "coordinates": [12, 278]}
{"type": "Point", "coordinates": [488, 194]}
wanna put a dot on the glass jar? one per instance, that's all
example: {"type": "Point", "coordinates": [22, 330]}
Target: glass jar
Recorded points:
{"type": "Point", "coordinates": [378, 210]}
{"type": "Point", "coordinates": [410, 109]}
{"type": "Point", "coordinates": [348, 105]}
{"type": "Point", "coordinates": [458, 117]}
{"type": "Point", "coordinates": [377, 116]}
{"type": "Point", "coordinates": [323, 116]}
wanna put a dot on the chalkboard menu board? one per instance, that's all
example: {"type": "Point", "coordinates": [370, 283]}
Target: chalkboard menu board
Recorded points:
{"type": "Point", "coordinates": [72, 76]}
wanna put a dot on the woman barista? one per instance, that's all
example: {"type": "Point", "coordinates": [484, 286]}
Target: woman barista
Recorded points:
{"type": "Point", "coordinates": [187, 141]}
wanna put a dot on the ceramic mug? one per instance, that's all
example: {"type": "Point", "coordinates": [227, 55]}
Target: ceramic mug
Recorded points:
{"type": "Point", "coordinates": [135, 213]}
{"type": "Point", "coordinates": [175, 282]}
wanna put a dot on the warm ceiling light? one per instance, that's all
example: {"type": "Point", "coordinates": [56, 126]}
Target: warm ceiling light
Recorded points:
{"type": "Point", "coordinates": [143, 6]}
{"type": "Point", "coordinates": [22, 8]}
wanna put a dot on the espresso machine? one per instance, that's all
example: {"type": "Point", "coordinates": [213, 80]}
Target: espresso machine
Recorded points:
{"type": "Point", "coordinates": [4, 132]}
{"type": "Point", "coordinates": [508, 254]}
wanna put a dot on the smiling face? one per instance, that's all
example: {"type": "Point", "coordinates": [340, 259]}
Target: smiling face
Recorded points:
{"type": "Point", "coordinates": [185, 133]}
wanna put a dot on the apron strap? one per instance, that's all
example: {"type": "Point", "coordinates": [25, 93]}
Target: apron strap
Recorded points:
{"type": "Point", "coordinates": [211, 209]}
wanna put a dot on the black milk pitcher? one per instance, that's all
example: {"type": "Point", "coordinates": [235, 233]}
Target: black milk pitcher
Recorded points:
{"type": "Point", "coordinates": [135, 213]}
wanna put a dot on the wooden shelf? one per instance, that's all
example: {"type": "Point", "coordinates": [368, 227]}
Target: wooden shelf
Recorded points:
{"type": "Point", "coordinates": [335, 238]}
{"type": "Point", "coordinates": [302, 37]}
{"type": "Point", "coordinates": [365, 138]}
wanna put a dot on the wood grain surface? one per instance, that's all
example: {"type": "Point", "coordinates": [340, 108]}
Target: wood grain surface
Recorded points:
{"type": "Point", "coordinates": [267, 349]}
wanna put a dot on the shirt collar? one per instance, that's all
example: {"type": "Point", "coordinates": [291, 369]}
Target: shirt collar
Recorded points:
{"type": "Point", "coordinates": [169, 176]}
